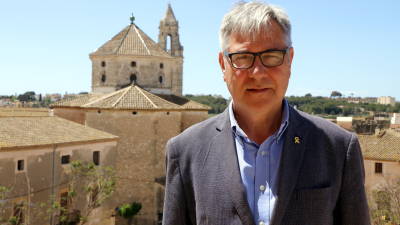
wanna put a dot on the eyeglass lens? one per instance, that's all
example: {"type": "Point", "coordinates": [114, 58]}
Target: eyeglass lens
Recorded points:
{"type": "Point", "coordinates": [246, 60]}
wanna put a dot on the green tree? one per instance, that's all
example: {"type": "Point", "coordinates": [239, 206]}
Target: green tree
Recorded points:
{"type": "Point", "coordinates": [28, 96]}
{"type": "Point", "coordinates": [216, 102]}
{"type": "Point", "coordinates": [128, 211]}
{"type": "Point", "coordinates": [385, 203]}
{"type": "Point", "coordinates": [336, 94]}
{"type": "Point", "coordinates": [97, 183]}
{"type": "Point", "coordinates": [87, 181]}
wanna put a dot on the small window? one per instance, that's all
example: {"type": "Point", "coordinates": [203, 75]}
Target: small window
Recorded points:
{"type": "Point", "coordinates": [103, 78]}
{"type": "Point", "coordinates": [161, 65]}
{"type": "Point", "coordinates": [96, 158]}
{"type": "Point", "coordinates": [98, 111]}
{"type": "Point", "coordinates": [133, 64]}
{"type": "Point", "coordinates": [65, 159]}
{"type": "Point", "coordinates": [133, 78]}
{"type": "Point", "coordinates": [167, 113]}
{"type": "Point", "coordinates": [134, 112]}
{"type": "Point", "coordinates": [103, 64]}
{"type": "Point", "coordinates": [378, 167]}
{"type": "Point", "coordinates": [20, 165]}
{"type": "Point", "coordinates": [160, 79]}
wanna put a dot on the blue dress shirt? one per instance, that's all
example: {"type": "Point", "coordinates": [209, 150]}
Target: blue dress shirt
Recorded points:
{"type": "Point", "coordinates": [259, 166]}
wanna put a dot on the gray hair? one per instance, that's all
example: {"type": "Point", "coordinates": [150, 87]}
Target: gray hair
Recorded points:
{"type": "Point", "coordinates": [249, 18]}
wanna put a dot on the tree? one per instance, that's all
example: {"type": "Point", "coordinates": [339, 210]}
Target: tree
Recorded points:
{"type": "Point", "coordinates": [308, 95]}
{"type": "Point", "coordinates": [87, 181]}
{"type": "Point", "coordinates": [97, 183]}
{"type": "Point", "coordinates": [385, 203]}
{"type": "Point", "coordinates": [216, 102]}
{"type": "Point", "coordinates": [16, 218]}
{"type": "Point", "coordinates": [28, 96]}
{"type": "Point", "coordinates": [128, 211]}
{"type": "Point", "coordinates": [336, 94]}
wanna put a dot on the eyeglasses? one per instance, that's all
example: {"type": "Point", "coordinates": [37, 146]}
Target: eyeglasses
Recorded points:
{"type": "Point", "coordinates": [245, 60]}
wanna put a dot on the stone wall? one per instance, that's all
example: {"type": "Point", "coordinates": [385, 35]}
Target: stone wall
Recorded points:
{"type": "Point", "coordinates": [42, 171]}
{"type": "Point", "coordinates": [152, 73]}
{"type": "Point", "coordinates": [191, 117]}
{"type": "Point", "coordinates": [390, 171]}
{"type": "Point", "coordinates": [140, 159]}
{"type": "Point", "coordinates": [140, 154]}
{"type": "Point", "coordinates": [72, 114]}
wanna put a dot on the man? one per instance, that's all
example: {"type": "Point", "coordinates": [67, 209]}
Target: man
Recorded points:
{"type": "Point", "coordinates": [261, 161]}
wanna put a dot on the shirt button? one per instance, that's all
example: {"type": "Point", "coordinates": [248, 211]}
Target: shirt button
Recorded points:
{"type": "Point", "coordinates": [261, 223]}
{"type": "Point", "coordinates": [262, 187]}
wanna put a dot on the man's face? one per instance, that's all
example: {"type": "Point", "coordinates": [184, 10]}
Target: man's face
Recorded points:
{"type": "Point", "coordinates": [258, 88]}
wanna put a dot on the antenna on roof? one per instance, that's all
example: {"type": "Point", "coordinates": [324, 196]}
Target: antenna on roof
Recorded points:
{"type": "Point", "coordinates": [132, 18]}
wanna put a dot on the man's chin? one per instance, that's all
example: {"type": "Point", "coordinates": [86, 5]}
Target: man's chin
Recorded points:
{"type": "Point", "coordinates": [256, 104]}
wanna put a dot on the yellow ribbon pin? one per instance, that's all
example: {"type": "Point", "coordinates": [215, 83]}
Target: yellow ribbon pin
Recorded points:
{"type": "Point", "coordinates": [296, 140]}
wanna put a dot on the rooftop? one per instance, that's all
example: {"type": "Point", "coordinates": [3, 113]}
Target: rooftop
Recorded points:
{"type": "Point", "coordinates": [21, 132]}
{"type": "Point", "coordinates": [131, 97]}
{"type": "Point", "coordinates": [10, 112]}
{"type": "Point", "coordinates": [131, 41]}
{"type": "Point", "coordinates": [383, 146]}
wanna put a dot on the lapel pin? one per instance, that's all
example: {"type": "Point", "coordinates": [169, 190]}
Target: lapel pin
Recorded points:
{"type": "Point", "coordinates": [296, 140]}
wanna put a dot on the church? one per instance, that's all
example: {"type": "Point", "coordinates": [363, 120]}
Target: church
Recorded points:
{"type": "Point", "coordinates": [132, 57]}
{"type": "Point", "coordinates": [137, 95]}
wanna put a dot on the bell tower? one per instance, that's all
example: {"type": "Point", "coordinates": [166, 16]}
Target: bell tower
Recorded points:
{"type": "Point", "coordinates": [168, 38]}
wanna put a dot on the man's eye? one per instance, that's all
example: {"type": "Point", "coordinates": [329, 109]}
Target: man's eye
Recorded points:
{"type": "Point", "coordinates": [242, 57]}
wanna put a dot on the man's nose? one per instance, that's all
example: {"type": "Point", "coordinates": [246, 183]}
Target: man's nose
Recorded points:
{"type": "Point", "coordinates": [258, 68]}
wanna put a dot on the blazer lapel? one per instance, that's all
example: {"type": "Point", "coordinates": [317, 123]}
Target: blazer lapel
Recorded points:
{"type": "Point", "coordinates": [291, 161]}
{"type": "Point", "coordinates": [224, 144]}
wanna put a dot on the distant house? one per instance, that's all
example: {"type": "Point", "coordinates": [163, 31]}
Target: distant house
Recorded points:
{"type": "Point", "coordinates": [35, 156]}
{"type": "Point", "coordinates": [395, 121]}
{"type": "Point", "coordinates": [345, 122]}
{"type": "Point", "coordinates": [5, 102]}
{"type": "Point", "coordinates": [381, 154]}
{"type": "Point", "coordinates": [54, 97]}
{"type": "Point", "coordinates": [387, 100]}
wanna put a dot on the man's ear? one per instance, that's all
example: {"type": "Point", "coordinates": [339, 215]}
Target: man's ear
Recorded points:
{"type": "Point", "coordinates": [291, 54]}
{"type": "Point", "coordinates": [221, 61]}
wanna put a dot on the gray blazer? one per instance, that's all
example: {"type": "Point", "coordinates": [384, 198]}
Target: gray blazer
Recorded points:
{"type": "Point", "coordinates": [321, 176]}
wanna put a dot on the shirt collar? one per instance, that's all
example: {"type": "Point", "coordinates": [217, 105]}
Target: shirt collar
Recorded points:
{"type": "Point", "coordinates": [277, 136]}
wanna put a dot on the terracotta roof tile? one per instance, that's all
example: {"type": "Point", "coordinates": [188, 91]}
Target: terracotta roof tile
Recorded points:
{"type": "Point", "coordinates": [34, 131]}
{"type": "Point", "coordinates": [7, 112]}
{"type": "Point", "coordinates": [131, 97]}
{"type": "Point", "coordinates": [77, 101]}
{"type": "Point", "coordinates": [383, 147]}
{"type": "Point", "coordinates": [131, 41]}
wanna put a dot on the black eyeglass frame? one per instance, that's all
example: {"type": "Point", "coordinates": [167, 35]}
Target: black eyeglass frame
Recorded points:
{"type": "Point", "coordinates": [255, 54]}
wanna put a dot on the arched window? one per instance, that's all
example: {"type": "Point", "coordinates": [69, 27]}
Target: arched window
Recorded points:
{"type": "Point", "coordinates": [168, 43]}
{"type": "Point", "coordinates": [103, 64]}
{"type": "Point", "coordinates": [133, 64]}
{"type": "Point", "coordinates": [103, 78]}
{"type": "Point", "coordinates": [161, 65]}
{"type": "Point", "coordinates": [133, 78]}
{"type": "Point", "coordinates": [160, 79]}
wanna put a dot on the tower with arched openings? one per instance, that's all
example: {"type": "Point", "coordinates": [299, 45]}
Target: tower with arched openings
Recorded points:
{"type": "Point", "coordinates": [132, 57]}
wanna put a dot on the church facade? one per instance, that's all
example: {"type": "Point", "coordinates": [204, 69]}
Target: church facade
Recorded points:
{"type": "Point", "coordinates": [137, 96]}
{"type": "Point", "coordinates": [133, 57]}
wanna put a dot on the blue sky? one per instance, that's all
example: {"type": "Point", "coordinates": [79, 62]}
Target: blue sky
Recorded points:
{"type": "Point", "coordinates": [349, 46]}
